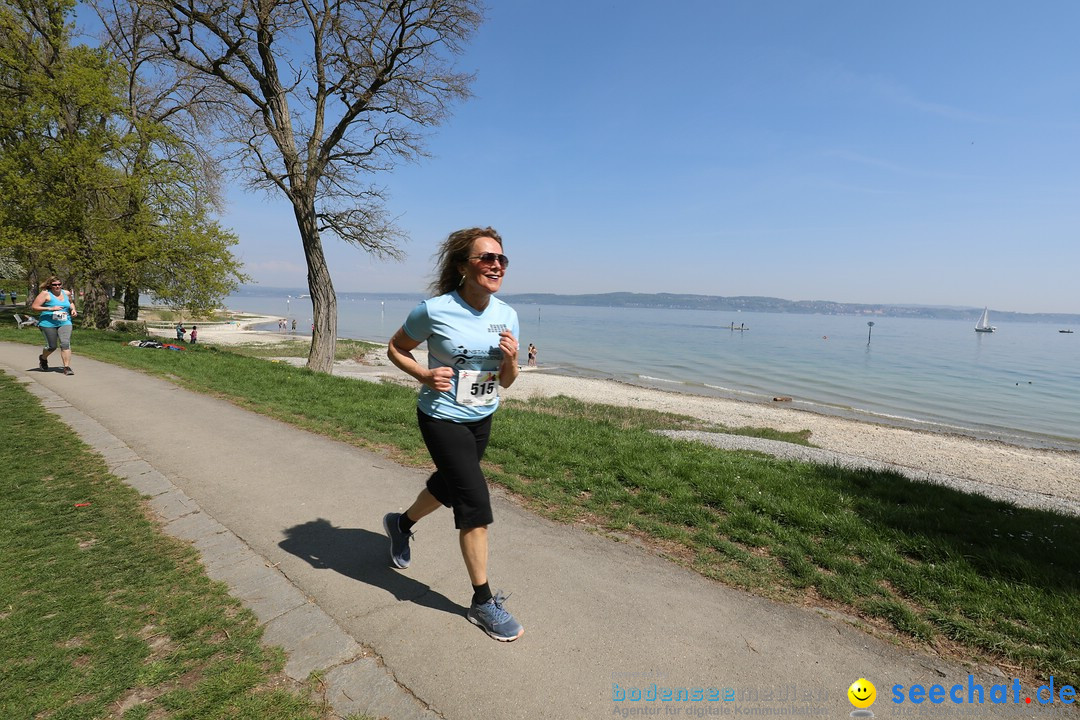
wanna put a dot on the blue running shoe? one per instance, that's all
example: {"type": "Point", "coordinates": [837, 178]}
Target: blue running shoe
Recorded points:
{"type": "Point", "coordinates": [493, 618]}
{"type": "Point", "coordinates": [400, 557]}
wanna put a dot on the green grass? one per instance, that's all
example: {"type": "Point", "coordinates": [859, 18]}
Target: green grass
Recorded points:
{"type": "Point", "coordinates": [101, 615]}
{"type": "Point", "coordinates": [968, 575]}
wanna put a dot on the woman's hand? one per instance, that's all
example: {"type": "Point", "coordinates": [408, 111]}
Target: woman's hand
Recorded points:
{"type": "Point", "coordinates": [508, 368]}
{"type": "Point", "coordinates": [439, 379]}
{"type": "Point", "coordinates": [509, 346]}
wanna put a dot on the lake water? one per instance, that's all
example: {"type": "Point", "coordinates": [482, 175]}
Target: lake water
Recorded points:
{"type": "Point", "coordinates": [1020, 384]}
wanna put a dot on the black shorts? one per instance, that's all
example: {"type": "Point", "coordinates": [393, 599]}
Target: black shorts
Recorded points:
{"type": "Point", "coordinates": [459, 483]}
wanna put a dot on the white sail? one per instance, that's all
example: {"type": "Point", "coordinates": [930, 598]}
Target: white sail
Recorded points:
{"type": "Point", "coordinates": [984, 322]}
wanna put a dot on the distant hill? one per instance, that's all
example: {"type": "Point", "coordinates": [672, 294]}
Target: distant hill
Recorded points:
{"type": "Point", "coordinates": [746, 303]}
{"type": "Point", "coordinates": [753, 303]}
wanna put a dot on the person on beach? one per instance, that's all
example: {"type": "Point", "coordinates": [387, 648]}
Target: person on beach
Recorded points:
{"type": "Point", "coordinates": [532, 355]}
{"type": "Point", "coordinates": [180, 331]}
{"type": "Point", "coordinates": [56, 309]}
{"type": "Point", "coordinates": [194, 334]}
{"type": "Point", "coordinates": [472, 347]}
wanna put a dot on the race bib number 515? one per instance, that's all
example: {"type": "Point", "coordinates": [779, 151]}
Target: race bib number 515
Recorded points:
{"type": "Point", "coordinates": [478, 387]}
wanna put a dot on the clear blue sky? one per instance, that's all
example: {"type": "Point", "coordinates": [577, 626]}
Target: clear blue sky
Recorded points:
{"type": "Point", "coordinates": [917, 152]}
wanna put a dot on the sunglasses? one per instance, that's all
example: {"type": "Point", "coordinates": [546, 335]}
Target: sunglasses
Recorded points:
{"type": "Point", "coordinates": [491, 258]}
{"type": "Point", "coordinates": [55, 284]}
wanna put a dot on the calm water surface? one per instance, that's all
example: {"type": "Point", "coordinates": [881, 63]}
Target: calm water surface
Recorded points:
{"type": "Point", "coordinates": [1020, 384]}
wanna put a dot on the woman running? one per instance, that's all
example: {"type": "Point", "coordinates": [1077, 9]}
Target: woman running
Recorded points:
{"type": "Point", "coordinates": [56, 308]}
{"type": "Point", "coordinates": [472, 347]}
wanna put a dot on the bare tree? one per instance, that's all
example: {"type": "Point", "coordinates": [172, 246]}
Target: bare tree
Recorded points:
{"type": "Point", "coordinates": [161, 93]}
{"type": "Point", "coordinates": [170, 170]}
{"type": "Point", "coordinates": [322, 96]}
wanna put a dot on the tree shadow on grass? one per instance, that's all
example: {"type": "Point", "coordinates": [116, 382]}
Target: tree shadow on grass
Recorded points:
{"type": "Point", "coordinates": [361, 555]}
{"type": "Point", "coordinates": [1000, 540]}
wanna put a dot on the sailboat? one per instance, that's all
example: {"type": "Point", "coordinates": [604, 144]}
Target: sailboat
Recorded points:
{"type": "Point", "coordinates": [984, 323]}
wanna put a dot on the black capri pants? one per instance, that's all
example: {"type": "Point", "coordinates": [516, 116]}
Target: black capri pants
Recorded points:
{"type": "Point", "coordinates": [458, 482]}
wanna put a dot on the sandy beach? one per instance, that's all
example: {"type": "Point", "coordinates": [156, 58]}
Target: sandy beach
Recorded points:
{"type": "Point", "coordinates": [1050, 474]}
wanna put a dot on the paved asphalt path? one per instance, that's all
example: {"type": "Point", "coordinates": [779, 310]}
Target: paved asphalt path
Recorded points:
{"type": "Point", "coordinates": [291, 521]}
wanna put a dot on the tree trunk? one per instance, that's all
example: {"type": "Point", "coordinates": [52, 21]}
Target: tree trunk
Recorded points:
{"type": "Point", "coordinates": [95, 305]}
{"type": "Point", "coordinates": [323, 297]}
{"type": "Point", "coordinates": [131, 302]}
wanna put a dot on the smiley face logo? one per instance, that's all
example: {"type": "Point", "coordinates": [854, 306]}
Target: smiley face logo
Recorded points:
{"type": "Point", "coordinates": [862, 693]}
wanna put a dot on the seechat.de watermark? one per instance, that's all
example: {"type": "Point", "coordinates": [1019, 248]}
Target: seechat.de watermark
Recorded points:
{"type": "Point", "coordinates": [976, 694]}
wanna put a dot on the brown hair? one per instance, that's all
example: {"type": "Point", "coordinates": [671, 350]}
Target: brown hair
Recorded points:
{"type": "Point", "coordinates": [48, 281]}
{"type": "Point", "coordinates": [453, 252]}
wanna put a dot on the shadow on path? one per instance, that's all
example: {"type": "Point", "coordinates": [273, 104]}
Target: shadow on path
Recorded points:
{"type": "Point", "coordinates": [361, 555]}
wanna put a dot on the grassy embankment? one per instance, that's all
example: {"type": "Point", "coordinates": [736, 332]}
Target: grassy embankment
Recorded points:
{"type": "Point", "coordinates": [968, 576]}
{"type": "Point", "coordinates": [101, 615]}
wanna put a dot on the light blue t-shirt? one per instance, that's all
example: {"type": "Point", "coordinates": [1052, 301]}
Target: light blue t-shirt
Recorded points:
{"type": "Point", "coordinates": [460, 337]}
